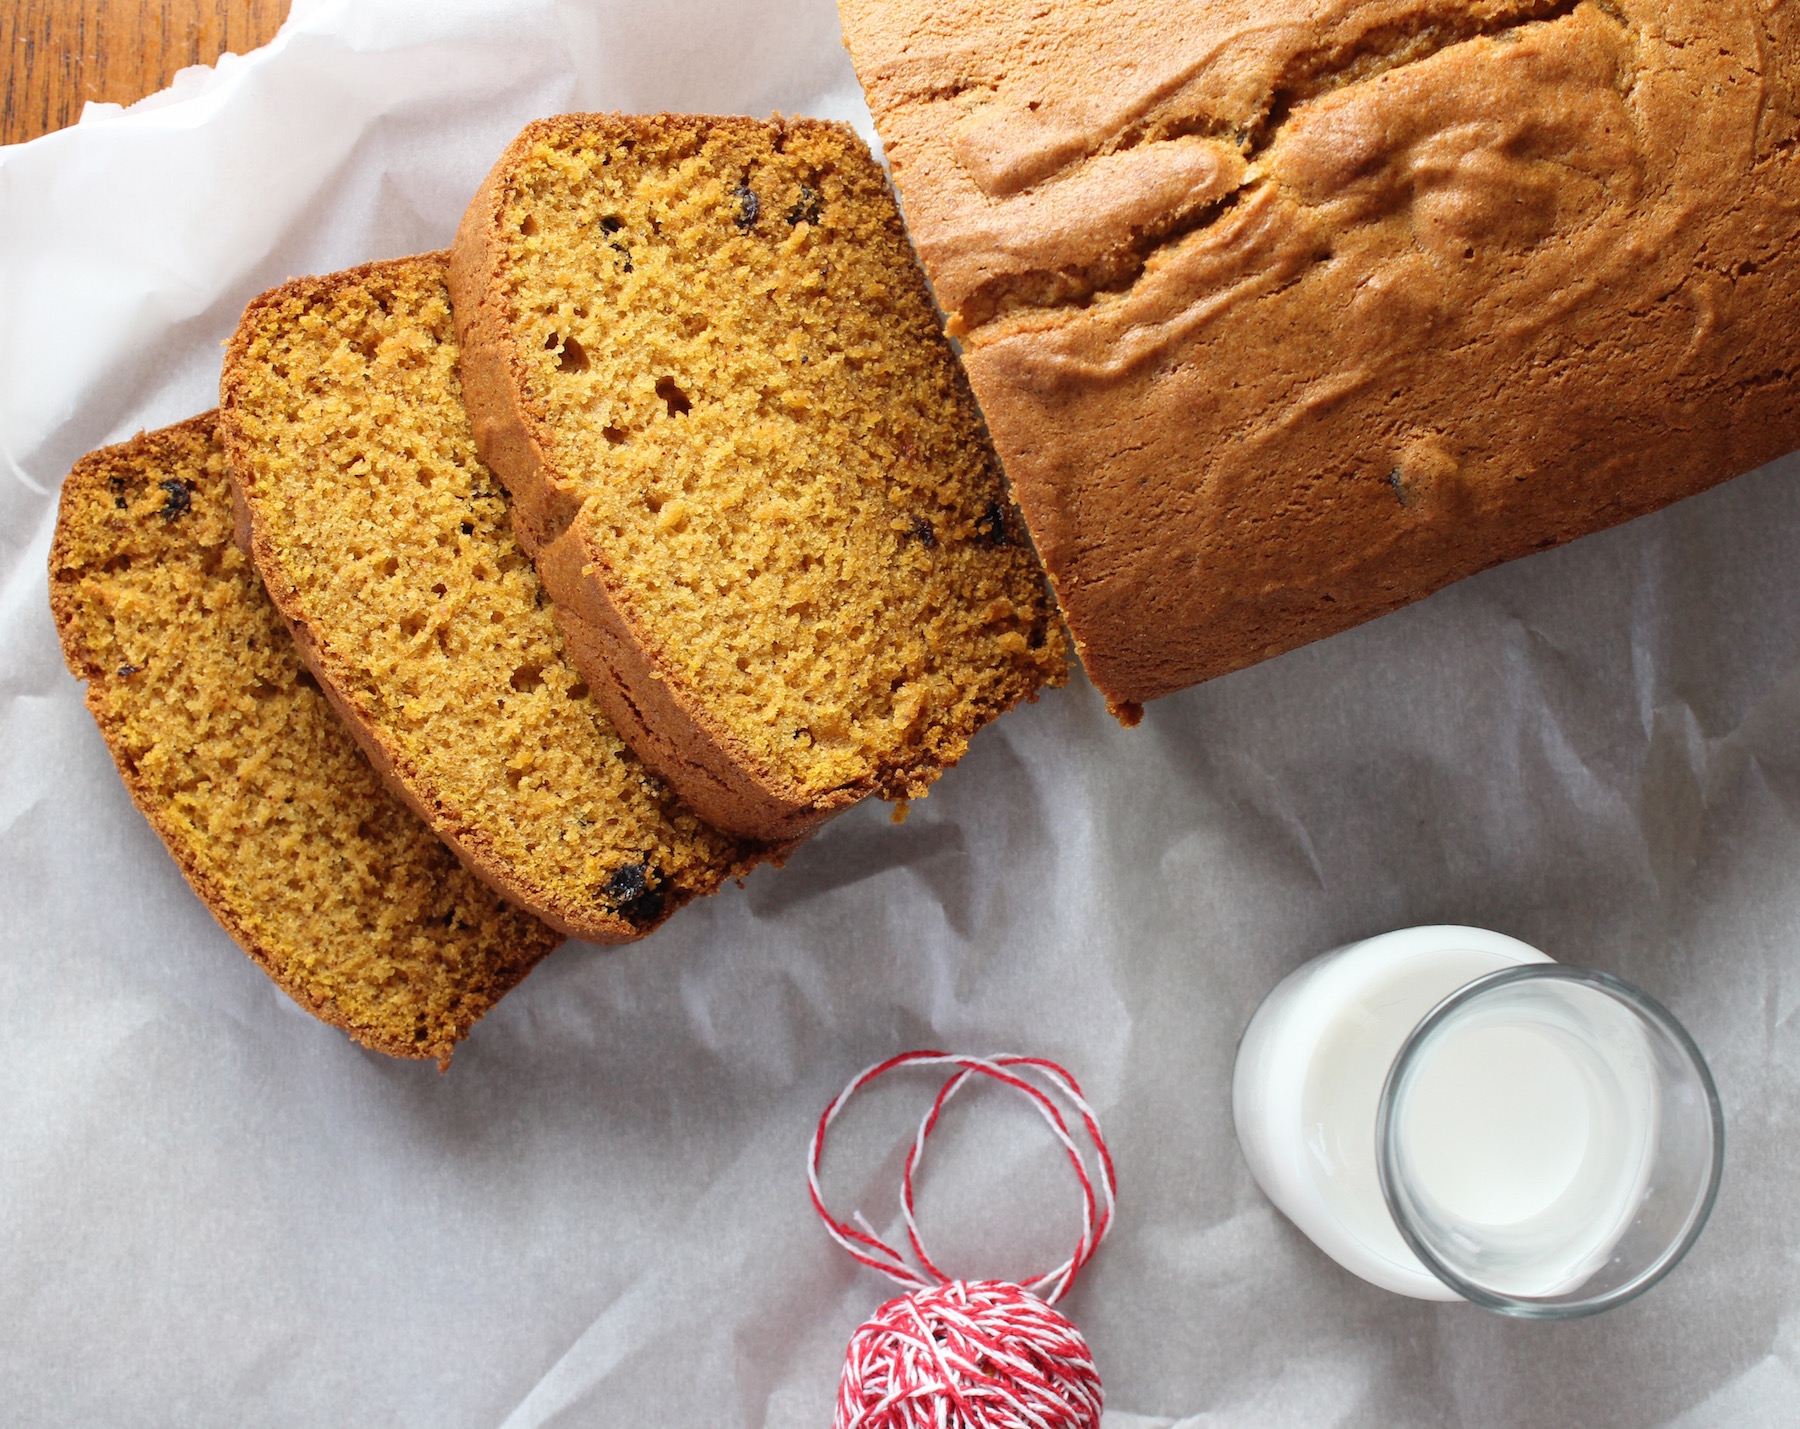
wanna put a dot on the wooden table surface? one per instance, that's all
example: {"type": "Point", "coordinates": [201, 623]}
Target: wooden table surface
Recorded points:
{"type": "Point", "coordinates": [61, 53]}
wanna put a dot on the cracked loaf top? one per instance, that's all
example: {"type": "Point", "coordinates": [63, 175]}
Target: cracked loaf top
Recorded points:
{"type": "Point", "coordinates": [1286, 312]}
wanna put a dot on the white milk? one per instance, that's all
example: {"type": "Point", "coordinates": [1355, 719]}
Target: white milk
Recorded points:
{"type": "Point", "coordinates": [1516, 1132]}
{"type": "Point", "coordinates": [1527, 1136]}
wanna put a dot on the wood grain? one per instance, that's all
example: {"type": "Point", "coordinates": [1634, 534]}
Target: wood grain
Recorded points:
{"type": "Point", "coordinates": [61, 53]}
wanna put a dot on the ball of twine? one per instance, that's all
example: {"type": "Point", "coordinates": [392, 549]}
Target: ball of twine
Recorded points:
{"type": "Point", "coordinates": [975, 1354]}
{"type": "Point", "coordinates": [957, 1354]}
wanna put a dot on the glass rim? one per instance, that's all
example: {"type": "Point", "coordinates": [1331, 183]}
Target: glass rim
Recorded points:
{"type": "Point", "coordinates": [1646, 1007]}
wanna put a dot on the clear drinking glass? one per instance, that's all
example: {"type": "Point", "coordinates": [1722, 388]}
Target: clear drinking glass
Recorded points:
{"type": "Point", "coordinates": [1549, 1141]}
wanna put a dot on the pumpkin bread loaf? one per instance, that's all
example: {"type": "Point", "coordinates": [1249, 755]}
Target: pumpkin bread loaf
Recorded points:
{"type": "Point", "coordinates": [228, 748]}
{"type": "Point", "coordinates": [387, 545]}
{"type": "Point", "coordinates": [701, 356]}
{"type": "Point", "coordinates": [1287, 312]}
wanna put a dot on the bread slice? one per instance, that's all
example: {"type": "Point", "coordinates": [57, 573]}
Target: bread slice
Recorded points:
{"type": "Point", "coordinates": [1284, 314]}
{"type": "Point", "coordinates": [701, 356]}
{"type": "Point", "coordinates": [386, 543]}
{"type": "Point", "coordinates": [231, 752]}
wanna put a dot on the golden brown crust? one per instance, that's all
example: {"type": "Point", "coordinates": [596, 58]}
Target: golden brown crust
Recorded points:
{"type": "Point", "coordinates": [668, 716]}
{"type": "Point", "coordinates": [341, 673]}
{"type": "Point", "coordinates": [661, 720]}
{"type": "Point", "coordinates": [73, 572]}
{"type": "Point", "coordinates": [1369, 296]}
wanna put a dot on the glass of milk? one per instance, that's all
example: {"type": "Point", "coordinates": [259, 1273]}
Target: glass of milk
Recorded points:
{"type": "Point", "coordinates": [1451, 1115]}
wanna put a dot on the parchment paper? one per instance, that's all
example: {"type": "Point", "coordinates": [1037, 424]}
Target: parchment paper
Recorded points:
{"type": "Point", "coordinates": [216, 1211]}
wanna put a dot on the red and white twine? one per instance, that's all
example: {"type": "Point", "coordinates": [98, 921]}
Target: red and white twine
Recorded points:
{"type": "Point", "coordinates": [955, 1354]}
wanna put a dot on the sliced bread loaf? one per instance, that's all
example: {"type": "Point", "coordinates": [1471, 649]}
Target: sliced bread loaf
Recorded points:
{"type": "Point", "coordinates": [700, 354]}
{"type": "Point", "coordinates": [231, 752]}
{"type": "Point", "coordinates": [386, 543]}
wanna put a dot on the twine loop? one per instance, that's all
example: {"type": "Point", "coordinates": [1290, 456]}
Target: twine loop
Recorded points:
{"type": "Point", "coordinates": [971, 1354]}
